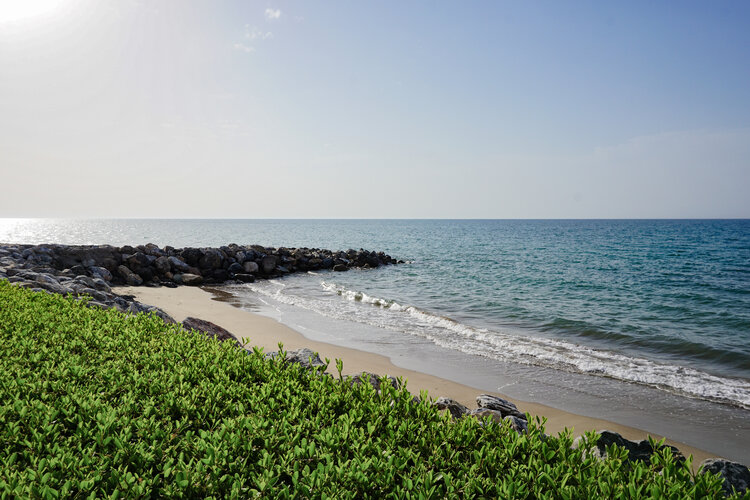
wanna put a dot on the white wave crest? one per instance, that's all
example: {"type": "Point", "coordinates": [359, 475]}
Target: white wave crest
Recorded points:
{"type": "Point", "coordinates": [352, 305]}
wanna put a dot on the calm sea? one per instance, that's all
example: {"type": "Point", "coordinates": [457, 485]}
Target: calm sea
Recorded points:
{"type": "Point", "coordinates": [658, 303]}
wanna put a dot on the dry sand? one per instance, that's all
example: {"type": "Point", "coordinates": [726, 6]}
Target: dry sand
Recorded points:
{"type": "Point", "coordinates": [266, 332]}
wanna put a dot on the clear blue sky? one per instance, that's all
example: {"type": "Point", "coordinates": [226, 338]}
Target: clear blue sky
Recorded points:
{"type": "Point", "coordinates": [374, 109]}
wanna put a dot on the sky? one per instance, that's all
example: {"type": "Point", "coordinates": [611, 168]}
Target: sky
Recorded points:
{"type": "Point", "coordinates": [354, 109]}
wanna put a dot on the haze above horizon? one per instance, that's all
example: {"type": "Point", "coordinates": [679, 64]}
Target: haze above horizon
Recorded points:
{"type": "Point", "coordinates": [232, 109]}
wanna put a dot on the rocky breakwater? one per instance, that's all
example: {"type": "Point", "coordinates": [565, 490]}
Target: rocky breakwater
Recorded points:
{"type": "Point", "coordinates": [87, 270]}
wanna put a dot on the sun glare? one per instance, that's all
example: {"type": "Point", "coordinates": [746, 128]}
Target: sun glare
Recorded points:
{"type": "Point", "coordinates": [21, 10]}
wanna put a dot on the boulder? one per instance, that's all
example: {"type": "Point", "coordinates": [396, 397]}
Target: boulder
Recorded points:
{"type": "Point", "coordinates": [89, 282]}
{"type": "Point", "coordinates": [250, 267]}
{"type": "Point", "coordinates": [146, 273]}
{"type": "Point", "coordinates": [219, 275]}
{"type": "Point", "coordinates": [637, 450]}
{"type": "Point", "coordinates": [100, 272]}
{"type": "Point", "coordinates": [137, 261]}
{"type": "Point", "coordinates": [340, 267]}
{"type": "Point", "coordinates": [152, 249]}
{"type": "Point", "coordinates": [162, 265]}
{"type": "Point", "coordinates": [129, 276]}
{"type": "Point", "coordinates": [736, 476]}
{"type": "Point", "coordinates": [191, 256]}
{"type": "Point", "coordinates": [517, 424]}
{"type": "Point", "coordinates": [191, 279]}
{"type": "Point", "coordinates": [212, 259]}
{"type": "Point", "coordinates": [235, 268]}
{"type": "Point", "coordinates": [456, 409]}
{"type": "Point", "coordinates": [211, 330]}
{"type": "Point", "coordinates": [268, 263]}
{"type": "Point", "coordinates": [178, 264]}
{"type": "Point", "coordinates": [305, 357]}
{"type": "Point", "coordinates": [67, 256]}
{"type": "Point", "coordinates": [101, 285]}
{"type": "Point", "coordinates": [482, 413]}
{"type": "Point", "coordinates": [502, 405]}
{"type": "Point", "coordinates": [374, 380]}
{"type": "Point", "coordinates": [53, 287]}
{"type": "Point", "coordinates": [245, 278]}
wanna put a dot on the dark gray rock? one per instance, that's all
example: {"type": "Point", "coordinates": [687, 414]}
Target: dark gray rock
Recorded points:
{"type": "Point", "coordinates": [502, 405]}
{"type": "Point", "coordinates": [191, 256]}
{"type": "Point", "coordinates": [191, 279]}
{"type": "Point", "coordinates": [46, 278]}
{"type": "Point", "coordinates": [95, 294]}
{"type": "Point", "coordinates": [53, 287]}
{"type": "Point", "coordinates": [219, 275]}
{"type": "Point", "coordinates": [268, 264]}
{"type": "Point", "coordinates": [245, 278]}
{"type": "Point", "coordinates": [305, 357]}
{"type": "Point", "coordinates": [211, 330]}
{"type": "Point", "coordinates": [153, 250]}
{"type": "Point", "coordinates": [146, 273]}
{"type": "Point", "coordinates": [736, 476]}
{"type": "Point", "coordinates": [456, 409]}
{"type": "Point", "coordinates": [482, 413]}
{"type": "Point", "coordinates": [178, 264]}
{"type": "Point", "coordinates": [236, 268]}
{"type": "Point", "coordinates": [212, 259]}
{"type": "Point", "coordinates": [637, 450]}
{"type": "Point", "coordinates": [137, 261]}
{"type": "Point", "coordinates": [162, 265]}
{"type": "Point", "coordinates": [102, 285]}
{"type": "Point", "coordinates": [517, 424]}
{"type": "Point", "coordinates": [69, 256]}
{"type": "Point", "coordinates": [129, 276]}
{"type": "Point", "coordinates": [250, 267]}
{"type": "Point", "coordinates": [340, 267]}
{"type": "Point", "coordinates": [85, 280]}
{"type": "Point", "coordinates": [100, 272]}
{"type": "Point", "coordinates": [374, 380]}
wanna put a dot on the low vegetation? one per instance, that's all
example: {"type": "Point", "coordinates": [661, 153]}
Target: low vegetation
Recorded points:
{"type": "Point", "coordinates": [96, 403]}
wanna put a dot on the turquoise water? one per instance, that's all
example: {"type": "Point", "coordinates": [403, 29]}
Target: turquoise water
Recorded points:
{"type": "Point", "coordinates": [662, 303]}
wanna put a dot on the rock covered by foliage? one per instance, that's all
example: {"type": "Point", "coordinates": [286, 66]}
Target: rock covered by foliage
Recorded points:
{"type": "Point", "coordinates": [99, 403]}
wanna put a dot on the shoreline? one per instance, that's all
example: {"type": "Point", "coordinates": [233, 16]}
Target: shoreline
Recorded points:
{"type": "Point", "coordinates": [266, 332]}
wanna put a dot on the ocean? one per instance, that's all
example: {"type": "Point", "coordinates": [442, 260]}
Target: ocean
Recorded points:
{"type": "Point", "coordinates": [612, 317]}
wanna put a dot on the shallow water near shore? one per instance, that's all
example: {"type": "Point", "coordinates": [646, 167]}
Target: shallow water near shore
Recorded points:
{"type": "Point", "coordinates": [720, 429]}
{"type": "Point", "coordinates": [647, 321]}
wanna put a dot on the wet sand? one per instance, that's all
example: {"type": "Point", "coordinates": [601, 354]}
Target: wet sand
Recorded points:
{"type": "Point", "coordinates": [267, 333]}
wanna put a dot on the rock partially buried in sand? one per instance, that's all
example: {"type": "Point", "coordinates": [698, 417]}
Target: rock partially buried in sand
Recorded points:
{"type": "Point", "coordinates": [211, 330]}
{"type": "Point", "coordinates": [191, 279]}
{"type": "Point", "coordinates": [736, 476]}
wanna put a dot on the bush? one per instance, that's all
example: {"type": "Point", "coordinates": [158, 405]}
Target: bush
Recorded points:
{"type": "Point", "coordinates": [96, 403]}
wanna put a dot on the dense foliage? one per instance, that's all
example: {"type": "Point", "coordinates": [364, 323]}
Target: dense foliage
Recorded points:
{"type": "Point", "coordinates": [95, 403]}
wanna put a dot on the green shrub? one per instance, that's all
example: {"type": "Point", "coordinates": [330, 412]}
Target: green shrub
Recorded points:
{"type": "Point", "coordinates": [100, 404]}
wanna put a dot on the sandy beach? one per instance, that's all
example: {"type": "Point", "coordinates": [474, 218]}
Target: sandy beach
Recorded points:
{"type": "Point", "coordinates": [267, 333]}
